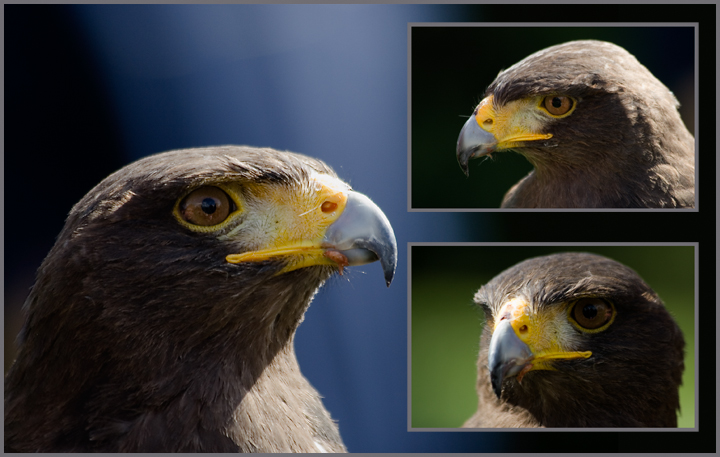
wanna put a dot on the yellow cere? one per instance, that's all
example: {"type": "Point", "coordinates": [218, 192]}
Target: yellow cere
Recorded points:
{"type": "Point", "coordinates": [291, 222]}
{"type": "Point", "coordinates": [513, 124]}
{"type": "Point", "coordinates": [548, 333]}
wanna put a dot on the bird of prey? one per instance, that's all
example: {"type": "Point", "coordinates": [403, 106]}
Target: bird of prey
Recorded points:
{"type": "Point", "coordinates": [599, 129]}
{"type": "Point", "coordinates": [163, 318]}
{"type": "Point", "coordinates": [576, 340]}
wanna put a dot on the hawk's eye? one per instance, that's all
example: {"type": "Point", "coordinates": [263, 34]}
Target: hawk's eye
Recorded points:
{"type": "Point", "coordinates": [206, 206]}
{"type": "Point", "coordinates": [558, 105]}
{"type": "Point", "coordinates": [592, 313]}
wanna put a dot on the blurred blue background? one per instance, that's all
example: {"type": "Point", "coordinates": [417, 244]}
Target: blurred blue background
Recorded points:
{"type": "Point", "coordinates": [91, 88]}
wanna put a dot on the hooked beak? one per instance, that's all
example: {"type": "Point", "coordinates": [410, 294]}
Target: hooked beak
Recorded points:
{"type": "Point", "coordinates": [525, 341]}
{"type": "Point", "coordinates": [508, 355]}
{"type": "Point", "coordinates": [363, 234]}
{"type": "Point", "coordinates": [473, 142]}
{"type": "Point", "coordinates": [491, 129]}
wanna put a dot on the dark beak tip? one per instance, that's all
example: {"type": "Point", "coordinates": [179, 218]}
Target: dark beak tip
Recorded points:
{"type": "Point", "coordinates": [496, 387]}
{"type": "Point", "coordinates": [389, 267]}
{"type": "Point", "coordinates": [462, 158]}
{"type": "Point", "coordinates": [364, 235]}
{"type": "Point", "coordinates": [472, 143]}
{"type": "Point", "coordinates": [464, 155]}
{"type": "Point", "coordinates": [383, 250]}
{"type": "Point", "coordinates": [465, 169]}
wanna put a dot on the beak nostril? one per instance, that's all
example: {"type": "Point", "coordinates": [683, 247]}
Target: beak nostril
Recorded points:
{"type": "Point", "coordinates": [328, 207]}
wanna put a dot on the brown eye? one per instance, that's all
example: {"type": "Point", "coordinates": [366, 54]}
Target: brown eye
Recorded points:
{"type": "Point", "coordinates": [206, 206]}
{"type": "Point", "coordinates": [558, 105]}
{"type": "Point", "coordinates": [592, 313]}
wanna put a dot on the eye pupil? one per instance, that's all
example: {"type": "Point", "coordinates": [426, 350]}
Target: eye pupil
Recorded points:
{"type": "Point", "coordinates": [558, 105]}
{"type": "Point", "coordinates": [208, 205]}
{"type": "Point", "coordinates": [590, 311]}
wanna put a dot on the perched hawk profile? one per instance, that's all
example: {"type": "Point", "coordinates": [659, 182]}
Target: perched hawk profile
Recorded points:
{"type": "Point", "coordinates": [576, 340]}
{"type": "Point", "coordinates": [163, 318]}
{"type": "Point", "coordinates": [599, 129]}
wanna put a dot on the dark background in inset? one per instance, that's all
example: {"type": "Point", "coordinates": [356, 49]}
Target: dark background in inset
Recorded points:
{"type": "Point", "coordinates": [452, 67]}
{"type": "Point", "coordinates": [91, 88]}
{"type": "Point", "coordinates": [446, 324]}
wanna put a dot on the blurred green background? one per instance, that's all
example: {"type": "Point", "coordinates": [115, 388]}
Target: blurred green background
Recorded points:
{"type": "Point", "coordinates": [446, 324]}
{"type": "Point", "coordinates": [451, 68]}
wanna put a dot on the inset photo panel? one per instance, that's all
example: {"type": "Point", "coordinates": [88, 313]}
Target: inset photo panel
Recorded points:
{"type": "Point", "coordinates": [560, 336]}
{"type": "Point", "coordinates": [521, 116]}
